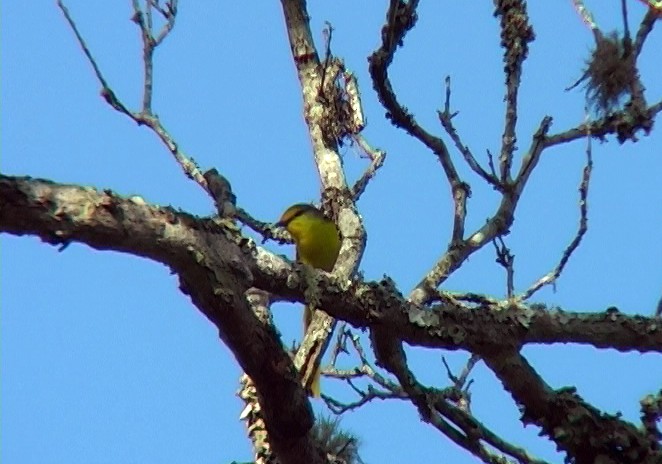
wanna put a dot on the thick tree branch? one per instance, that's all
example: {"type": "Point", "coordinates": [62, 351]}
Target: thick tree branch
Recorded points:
{"type": "Point", "coordinates": [620, 123]}
{"type": "Point", "coordinates": [211, 270]}
{"type": "Point", "coordinates": [217, 266]}
{"type": "Point", "coordinates": [434, 407]}
{"type": "Point", "coordinates": [318, 113]}
{"type": "Point", "coordinates": [586, 434]}
{"type": "Point", "coordinates": [452, 326]}
{"type": "Point", "coordinates": [60, 214]}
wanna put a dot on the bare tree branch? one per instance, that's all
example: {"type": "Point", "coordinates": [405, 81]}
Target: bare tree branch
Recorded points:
{"type": "Point", "coordinates": [210, 263]}
{"type": "Point", "coordinates": [377, 158]}
{"type": "Point", "coordinates": [193, 247]}
{"type": "Point", "coordinates": [223, 271]}
{"type": "Point", "coordinates": [61, 213]}
{"type": "Point", "coordinates": [551, 277]}
{"type": "Point", "coordinates": [401, 18]}
{"type": "Point", "coordinates": [462, 383]}
{"type": "Point", "coordinates": [388, 389]}
{"type": "Point", "coordinates": [585, 15]}
{"type": "Point", "coordinates": [621, 123]}
{"type": "Point", "coordinates": [653, 14]}
{"type": "Point", "coordinates": [106, 91]}
{"type": "Point", "coordinates": [365, 397]}
{"type": "Point", "coordinates": [506, 260]}
{"type": "Point", "coordinates": [458, 425]}
{"type": "Point", "coordinates": [446, 119]}
{"type": "Point", "coordinates": [329, 165]}
{"type": "Point", "coordinates": [516, 34]}
{"type": "Point", "coordinates": [365, 370]}
{"type": "Point", "coordinates": [559, 411]}
{"type": "Point", "coordinates": [256, 427]}
{"type": "Point", "coordinates": [145, 116]}
{"type": "Point", "coordinates": [497, 225]}
{"type": "Point", "coordinates": [651, 413]}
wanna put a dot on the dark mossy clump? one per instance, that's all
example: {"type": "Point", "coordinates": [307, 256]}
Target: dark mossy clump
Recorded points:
{"type": "Point", "coordinates": [339, 444]}
{"type": "Point", "coordinates": [611, 72]}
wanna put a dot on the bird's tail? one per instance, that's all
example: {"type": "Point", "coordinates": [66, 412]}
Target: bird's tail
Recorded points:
{"type": "Point", "coordinates": [315, 387]}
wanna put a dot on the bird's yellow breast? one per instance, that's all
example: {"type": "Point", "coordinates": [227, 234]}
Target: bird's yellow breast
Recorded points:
{"type": "Point", "coordinates": [316, 237]}
{"type": "Point", "coordinates": [318, 244]}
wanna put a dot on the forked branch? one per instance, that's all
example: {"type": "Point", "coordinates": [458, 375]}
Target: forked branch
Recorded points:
{"type": "Point", "coordinates": [144, 117]}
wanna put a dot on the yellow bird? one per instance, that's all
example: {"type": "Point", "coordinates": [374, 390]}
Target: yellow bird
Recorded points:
{"type": "Point", "coordinates": [317, 242]}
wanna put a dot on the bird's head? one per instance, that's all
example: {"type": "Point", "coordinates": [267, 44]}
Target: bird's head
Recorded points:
{"type": "Point", "coordinates": [298, 217]}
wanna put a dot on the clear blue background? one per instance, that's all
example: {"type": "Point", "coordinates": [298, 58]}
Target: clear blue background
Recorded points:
{"type": "Point", "coordinates": [104, 360]}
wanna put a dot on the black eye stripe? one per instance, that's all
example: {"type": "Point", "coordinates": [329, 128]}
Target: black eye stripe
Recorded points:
{"type": "Point", "coordinates": [293, 216]}
{"type": "Point", "coordinates": [297, 214]}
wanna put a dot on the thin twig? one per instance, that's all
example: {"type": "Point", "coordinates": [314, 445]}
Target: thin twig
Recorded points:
{"type": "Point", "coordinates": [460, 382]}
{"type": "Point", "coordinates": [338, 407]}
{"type": "Point", "coordinates": [377, 158]}
{"type": "Point", "coordinates": [471, 362]}
{"type": "Point", "coordinates": [388, 389]}
{"type": "Point", "coordinates": [585, 15]}
{"type": "Point", "coordinates": [327, 33]}
{"type": "Point", "coordinates": [446, 117]}
{"type": "Point", "coordinates": [497, 225]}
{"type": "Point", "coordinates": [532, 157]}
{"type": "Point", "coordinates": [626, 25]}
{"type": "Point", "coordinates": [433, 406]}
{"type": "Point", "coordinates": [371, 372]}
{"type": "Point", "coordinates": [144, 117]}
{"type": "Point", "coordinates": [170, 14]}
{"type": "Point", "coordinates": [340, 346]}
{"type": "Point", "coordinates": [460, 195]}
{"type": "Point", "coordinates": [476, 298]}
{"type": "Point", "coordinates": [551, 277]}
{"type": "Point", "coordinates": [266, 229]}
{"type": "Point", "coordinates": [610, 124]}
{"type": "Point", "coordinates": [106, 91]}
{"type": "Point", "coordinates": [145, 22]}
{"type": "Point", "coordinates": [401, 19]}
{"type": "Point", "coordinates": [479, 432]}
{"type": "Point", "coordinates": [188, 165]}
{"type": "Point", "coordinates": [490, 163]}
{"type": "Point", "coordinates": [507, 260]}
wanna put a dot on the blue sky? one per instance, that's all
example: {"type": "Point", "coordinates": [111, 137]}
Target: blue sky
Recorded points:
{"type": "Point", "coordinates": [104, 360]}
